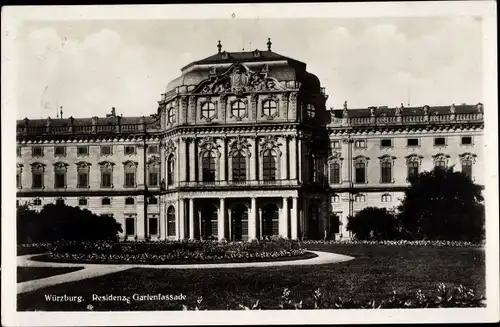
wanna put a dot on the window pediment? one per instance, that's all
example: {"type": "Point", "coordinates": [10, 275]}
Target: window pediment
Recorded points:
{"type": "Point", "coordinates": [83, 165]}
{"type": "Point", "coordinates": [360, 158]}
{"type": "Point", "coordinates": [130, 164]}
{"type": "Point", "coordinates": [106, 165]}
{"type": "Point", "coordinates": [468, 156]}
{"type": "Point", "coordinates": [38, 166]}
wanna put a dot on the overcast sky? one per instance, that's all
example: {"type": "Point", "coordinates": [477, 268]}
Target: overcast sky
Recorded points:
{"type": "Point", "coordinates": [90, 66]}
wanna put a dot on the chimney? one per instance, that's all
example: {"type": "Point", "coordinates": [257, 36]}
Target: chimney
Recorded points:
{"type": "Point", "coordinates": [113, 111]}
{"type": "Point", "coordinates": [61, 113]}
{"type": "Point", "coordinates": [71, 123]}
{"type": "Point", "coordinates": [94, 124]}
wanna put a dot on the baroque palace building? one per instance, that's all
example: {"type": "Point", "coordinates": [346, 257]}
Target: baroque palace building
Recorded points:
{"type": "Point", "coordinates": [242, 147]}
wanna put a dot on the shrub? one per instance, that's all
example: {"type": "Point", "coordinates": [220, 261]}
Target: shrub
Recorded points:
{"type": "Point", "coordinates": [373, 224]}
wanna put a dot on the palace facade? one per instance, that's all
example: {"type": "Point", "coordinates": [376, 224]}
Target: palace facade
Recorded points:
{"type": "Point", "coordinates": [241, 147]}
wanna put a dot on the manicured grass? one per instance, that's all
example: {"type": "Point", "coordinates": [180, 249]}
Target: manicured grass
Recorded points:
{"type": "Point", "coordinates": [307, 255]}
{"type": "Point", "coordinates": [373, 274]}
{"type": "Point", "coordinates": [30, 273]}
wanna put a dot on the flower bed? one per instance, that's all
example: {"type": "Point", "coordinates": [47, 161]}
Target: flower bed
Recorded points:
{"type": "Point", "coordinates": [176, 251]}
{"type": "Point", "coordinates": [399, 243]}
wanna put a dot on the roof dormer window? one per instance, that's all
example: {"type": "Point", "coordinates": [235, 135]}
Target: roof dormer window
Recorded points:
{"type": "Point", "coordinates": [225, 55]}
{"type": "Point", "coordinates": [257, 53]}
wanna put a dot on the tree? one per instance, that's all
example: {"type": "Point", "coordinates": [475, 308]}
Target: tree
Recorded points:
{"type": "Point", "coordinates": [62, 222]}
{"type": "Point", "coordinates": [373, 224]}
{"type": "Point", "coordinates": [442, 205]}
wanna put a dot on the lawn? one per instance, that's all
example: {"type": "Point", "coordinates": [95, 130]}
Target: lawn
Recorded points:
{"type": "Point", "coordinates": [375, 272]}
{"type": "Point", "coordinates": [30, 273]}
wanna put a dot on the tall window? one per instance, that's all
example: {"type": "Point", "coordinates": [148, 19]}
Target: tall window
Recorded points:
{"type": "Point", "coordinates": [153, 226]}
{"type": "Point", "coordinates": [269, 165]}
{"type": "Point", "coordinates": [269, 108]}
{"type": "Point", "coordinates": [334, 173]}
{"type": "Point", "coordinates": [59, 175]}
{"type": "Point", "coordinates": [238, 109]}
{"type": "Point", "coordinates": [208, 110]}
{"type": "Point", "coordinates": [360, 172]}
{"type": "Point", "coordinates": [413, 169]}
{"type": "Point", "coordinates": [171, 221]}
{"type": "Point", "coordinates": [171, 115]}
{"type": "Point", "coordinates": [37, 171]}
{"type": "Point", "coordinates": [467, 167]}
{"type": "Point", "coordinates": [130, 170]}
{"type": "Point", "coordinates": [83, 169]}
{"type": "Point", "coordinates": [239, 167]}
{"type": "Point", "coordinates": [208, 167]}
{"type": "Point", "coordinates": [153, 174]}
{"type": "Point", "coordinates": [106, 175]}
{"type": "Point", "coordinates": [170, 170]}
{"type": "Point", "coordinates": [311, 112]}
{"type": "Point", "coordinates": [386, 172]}
{"type": "Point", "coordinates": [129, 226]}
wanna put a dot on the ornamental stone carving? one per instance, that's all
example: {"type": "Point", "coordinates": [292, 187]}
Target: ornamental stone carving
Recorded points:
{"type": "Point", "coordinates": [106, 165]}
{"type": "Point", "coordinates": [170, 147]}
{"type": "Point", "coordinates": [269, 142]}
{"type": "Point", "coordinates": [208, 144]}
{"type": "Point", "coordinates": [237, 144]}
{"type": "Point", "coordinates": [192, 107]}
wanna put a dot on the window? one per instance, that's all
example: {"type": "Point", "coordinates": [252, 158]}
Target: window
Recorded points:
{"type": "Point", "coordinates": [334, 173]}
{"type": "Point", "coordinates": [359, 198]}
{"type": "Point", "coordinates": [311, 111]}
{"type": "Point", "coordinates": [106, 176]}
{"type": "Point", "coordinates": [413, 169]}
{"type": "Point", "coordinates": [313, 172]}
{"type": "Point", "coordinates": [37, 202]}
{"type": "Point", "coordinates": [129, 226]}
{"type": "Point", "coordinates": [269, 108]}
{"type": "Point", "coordinates": [171, 115]}
{"type": "Point", "coordinates": [130, 170]}
{"type": "Point", "coordinates": [18, 151]}
{"type": "Point", "coordinates": [360, 175]}
{"type": "Point", "coordinates": [238, 109]}
{"type": "Point", "coordinates": [106, 201]}
{"type": "Point", "coordinates": [208, 110]}
{"type": "Point", "coordinates": [170, 170]}
{"type": "Point", "coordinates": [336, 198]}
{"type": "Point", "coordinates": [412, 142]}
{"type": "Point", "coordinates": [153, 174]}
{"type": "Point", "coordinates": [83, 169]}
{"type": "Point", "coordinates": [82, 202]}
{"type": "Point", "coordinates": [106, 150]}
{"type": "Point", "coordinates": [386, 142]}
{"type": "Point", "coordinates": [360, 144]}
{"type": "Point", "coordinates": [239, 167]}
{"type": "Point", "coordinates": [37, 151]}
{"type": "Point", "coordinates": [269, 166]}
{"type": "Point", "coordinates": [386, 172]}
{"type": "Point", "coordinates": [129, 149]}
{"type": "Point", "coordinates": [335, 144]}
{"type": "Point", "coordinates": [171, 221]}
{"type": "Point", "coordinates": [386, 198]}
{"type": "Point", "coordinates": [208, 167]}
{"type": "Point", "coordinates": [59, 151]}
{"type": "Point", "coordinates": [152, 200]}
{"type": "Point", "coordinates": [59, 202]}
{"type": "Point", "coordinates": [466, 140]}
{"type": "Point", "coordinates": [467, 167]}
{"type": "Point", "coordinates": [59, 175]}
{"type": "Point", "coordinates": [440, 163]}
{"type": "Point", "coordinates": [153, 226]}
{"type": "Point", "coordinates": [37, 171]}
{"type": "Point", "coordinates": [82, 150]}
{"type": "Point", "coordinates": [439, 141]}
{"type": "Point", "coordinates": [129, 201]}
{"type": "Point", "coordinates": [153, 149]}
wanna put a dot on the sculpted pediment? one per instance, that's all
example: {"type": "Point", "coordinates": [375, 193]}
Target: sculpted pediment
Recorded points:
{"type": "Point", "coordinates": [238, 79]}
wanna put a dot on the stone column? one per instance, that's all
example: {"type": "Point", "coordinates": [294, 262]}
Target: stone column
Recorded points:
{"type": "Point", "coordinates": [162, 231]}
{"type": "Point", "coordinates": [182, 159]}
{"type": "Point", "coordinates": [192, 160]}
{"type": "Point", "coordinates": [260, 223]}
{"type": "Point", "coordinates": [284, 159]}
{"type": "Point", "coordinates": [294, 218]}
{"type": "Point", "coordinates": [252, 224]}
{"type": "Point", "coordinates": [222, 213]}
{"type": "Point", "coordinates": [178, 163]}
{"type": "Point", "coordinates": [229, 225]}
{"type": "Point", "coordinates": [200, 234]}
{"type": "Point", "coordinates": [191, 219]}
{"type": "Point", "coordinates": [283, 224]}
{"type": "Point", "coordinates": [293, 157]}
{"type": "Point", "coordinates": [222, 173]}
{"type": "Point", "coordinates": [180, 220]}
{"type": "Point", "coordinates": [299, 157]}
{"type": "Point", "coordinates": [253, 159]}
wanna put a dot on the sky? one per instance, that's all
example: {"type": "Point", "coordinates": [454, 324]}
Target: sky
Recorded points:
{"type": "Point", "coordinates": [87, 67]}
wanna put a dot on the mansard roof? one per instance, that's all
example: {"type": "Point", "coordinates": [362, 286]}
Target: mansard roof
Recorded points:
{"type": "Point", "coordinates": [61, 122]}
{"type": "Point", "coordinates": [406, 111]}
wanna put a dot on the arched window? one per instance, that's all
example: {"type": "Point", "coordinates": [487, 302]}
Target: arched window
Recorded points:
{"type": "Point", "coordinates": [208, 110]}
{"type": "Point", "coordinates": [334, 173]}
{"type": "Point", "coordinates": [171, 115]}
{"type": "Point", "coordinates": [313, 172]}
{"type": "Point", "coordinates": [311, 111]}
{"type": "Point", "coordinates": [467, 167]}
{"type": "Point", "coordinates": [59, 175]}
{"type": "Point", "coordinates": [359, 198]}
{"type": "Point", "coordinates": [269, 165]}
{"type": "Point", "coordinates": [238, 109]}
{"type": "Point", "coordinates": [129, 201]}
{"type": "Point", "coordinates": [386, 198]}
{"type": "Point", "coordinates": [413, 168]}
{"type": "Point", "coordinates": [170, 170]}
{"type": "Point", "coordinates": [336, 198]}
{"type": "Point", "coordinates": [239, 167]}
{"type": "Point", "coordinates": [105, 201]}
{"type": "Point", "coordinates": [360, 172]}
{"type": "Point", "coordinates": [386, 172]}
{"type": "Point", "coordinates": [208, 167]}
{"type": "Point", "coordinates": [153, 174]}
{"type": "Point", "coordinates": [269, 108]}
{"type": "Point", "coordinates": [82, 201]}
{"type": "Point", "coordinates": [171, 221]}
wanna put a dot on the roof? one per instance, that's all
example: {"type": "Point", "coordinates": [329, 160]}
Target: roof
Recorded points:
{"type": "Point", "coordinates": [247, 56]}
{"type": "Point", "coordinates": [409, 111]}
{"type": "Point", "coordinates": [84, 121]}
